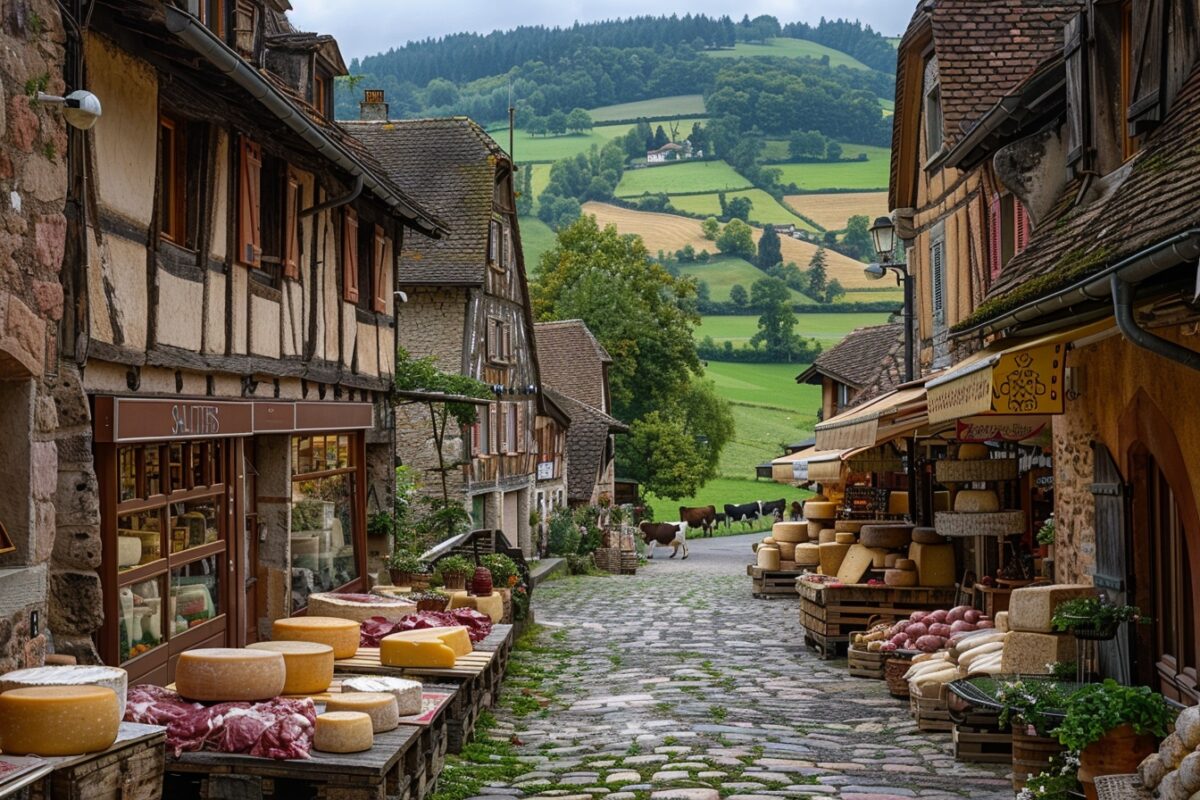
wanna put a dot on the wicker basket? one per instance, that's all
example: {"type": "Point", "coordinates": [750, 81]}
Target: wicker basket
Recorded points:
{"type": "Point", "coordinates": [993, 523]}
{"type": "Point", "coordinates": [1000, 469]}
{"type": "Point", "coordinates": [893, 672]}
{"type": "Point", "coordinates": [1120, 787]}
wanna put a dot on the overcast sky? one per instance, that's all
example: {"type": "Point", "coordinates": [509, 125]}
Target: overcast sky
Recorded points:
{"type": "Point", "coordinates": [365, 27]}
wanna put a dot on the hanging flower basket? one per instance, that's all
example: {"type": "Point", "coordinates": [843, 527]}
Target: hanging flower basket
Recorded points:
{"type": "Point", "coordinates": [1089, 630]}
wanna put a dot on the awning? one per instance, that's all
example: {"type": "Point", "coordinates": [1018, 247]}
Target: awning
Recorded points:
{"type": "Point", "coordinates": [1011, 379]}
{"type": "Point", "coordinates": [892, 415]}
{"type": "Point", "coordinates": [809, 464]}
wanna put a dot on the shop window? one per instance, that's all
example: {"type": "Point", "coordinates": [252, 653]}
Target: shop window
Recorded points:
{"type": "Point", "coordinates": [325, 545]}
{"type": "Point", "coordinates": [195, 594]}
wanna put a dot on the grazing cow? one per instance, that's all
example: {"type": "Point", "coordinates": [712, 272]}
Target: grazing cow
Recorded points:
{"type": "Point", "coordinates": [745, 513]}
{"type": "Point", "coordinates": [722, 520]}
{"type": "Point", "coordinates": [667, 534]}
{"type": "Point", "coordinates": [797, 511]}
{"type": "Point", "coordinates": [703, 517]}
{"type": "Point", "coordinates": [775, 508]}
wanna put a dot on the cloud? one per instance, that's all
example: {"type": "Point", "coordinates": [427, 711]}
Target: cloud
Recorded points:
{"type": "Point", "coordinates": [365, 27]}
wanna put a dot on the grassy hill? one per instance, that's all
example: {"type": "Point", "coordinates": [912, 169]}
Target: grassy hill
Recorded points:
{"type": "Point", "coordinates": [659, 108]}
{"type": "Point", "coordinates": [548, 149]}
{"type": "Point", "coordinates": [832, 211]}
{"type": "Point", "coordinates": [682, 176]}
{"type": "Point", "coordinates": [828, 329]}
{"type": "Point", "coordinates": [789, 48]}
{"type": "Point", "coordinates": [721, 274]}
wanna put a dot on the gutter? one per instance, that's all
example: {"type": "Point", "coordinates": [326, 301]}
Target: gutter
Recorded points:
{"type": "Point", "coordinates": [1123, 295]}
{"type": "Point", "coordinates": [1164, 255]}
{"type": "Point", "coordinates": [230, 64]}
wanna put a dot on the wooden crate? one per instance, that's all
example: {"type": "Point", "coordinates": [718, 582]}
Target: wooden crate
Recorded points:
{"type": "Point", "coordinates": [772, 583]}
{"type": "Point", "coordinates": [865, 664]}
{"type": "Point", "coordinates": [931, 712]}
{"type": "Point", "coordinates": [832, 613]}
{"type": "Point", "coordinates": [981, 745]}
{"type": "Point", "coordinates": [132, 769]}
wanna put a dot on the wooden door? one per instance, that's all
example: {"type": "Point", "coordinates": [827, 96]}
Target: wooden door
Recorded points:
{"type": "Point", "coordinates": [1113, 560]}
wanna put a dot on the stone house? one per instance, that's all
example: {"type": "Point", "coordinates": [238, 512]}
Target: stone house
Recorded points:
{"type": "Point", "coordinates": [867, 363]}
{"type": "Point", "coordinates": [575, 373]}
{"type": "Point", "coordinates": [468, 307]}
{"type": "Point", "coordinates": [222, 388]}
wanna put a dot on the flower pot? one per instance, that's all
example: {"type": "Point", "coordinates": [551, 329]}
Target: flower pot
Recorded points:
{"type": "Point", "coordinates": [481, 582]}
{"type": "Point", "coordinates": [399, 577]}
{"type": "Point", "coordinates": [419, 581]}
{"type": "Point", "coordinates": [454, 581]}
{"type": "Point", "coordinates": [1031, 753]}
{"type": "Point", "coordinates": [1117, 752]}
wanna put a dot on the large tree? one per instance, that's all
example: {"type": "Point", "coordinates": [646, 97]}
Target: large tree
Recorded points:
{"type": "Point", "coordinates": [777, 322]}
{"type": "Point", "coordinates": [737, 240]}
{"type": "Point", "coordinates": [769, 252]}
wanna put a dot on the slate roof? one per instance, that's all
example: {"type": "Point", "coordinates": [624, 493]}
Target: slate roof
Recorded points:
{"type": "Point", "coordinates": [1156, 200]}
{"type": "Point", "coordinates": [571, 361]}
{"type": "Point", "coordinates": [870, 360]}
{"type": "Point", "coordinates": [449, 166]}
{"type": "Point", "coordinates": [587, 440]}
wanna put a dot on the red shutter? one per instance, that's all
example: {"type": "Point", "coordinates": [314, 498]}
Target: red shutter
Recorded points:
{"type": "Point", "coordinates": [1023, 225]}
{"type": "Point", "coordinates": [995, 238]}
{"type": "Point", "coordinates": [378, 268]}
{"type": "Point", "coordinates": [291, 228]}
{"type": "Point", "coordinates": [350, 256]}
{"type": "Point", "coordinates": [249, 204]}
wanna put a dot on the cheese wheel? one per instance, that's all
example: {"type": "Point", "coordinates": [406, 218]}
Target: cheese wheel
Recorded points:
{"type": "Point", "coordinates": [906, 564]}
{"type": "Point", "coordinates": [935, 563]}
{"type": "Point", "coordinates": [381, 707]}
{"type": "Point", "coordinates": [900, 577]}
{"type": "Point", "coordinates": [490, 604]}
{"type": "Point", "coordinates": [769, 558]}
{"type": "Point", "coordinates": [814, 530]}
{"type": "Point", "coordinates": [769, 540]}
{"type": "Point", "coordinates": [421, 654]}
{"type": "Point", "coordinates": [455, 637]}
{"type": "Point", "coordinates": [793, 532]}
{"type": "Point", "coordinates": [878, 557]}
{"type": "Point", "coordinates": [819, 509]}
{"type": "Point", "coordinates": [787, 551]}
{"type": "Point", "coordinates": [808, 555]}
{"type": "Point", "coordinates": [113, 678]}
{"type": "Point", "coordinates": [832, 555]}
{"type": "Point", "coordinates": [58, 720]}
{"type": "Point", "coordinates": [407, 693]}
{"type": "Point", "coordinates": [898, 504]}
{"type": "Point", "coordinates": [340, 634]}
{"type": "Point", "coordinates": [928, 536]}
{"type": "Point", "coordinates": [890, 561]}
{"type": "Point", "coordinates": [844, 537]}
{"type": "Point", "coordinates": [358, 607]}
{"type": "Point", "coordinates": [309, 665]}
{"type": "Point", "coordinates": [1002, 621]}
{"type": "Point", "coordinates": [226, 674]}
{"type": "Point", "coordinates": [976, 501]}
{"type": "Point", "coordinates": [972, 452]}
{"type": "Point", "coordinates": [826, 536]}
{"type": "Point", "coordinates": [886, 536]}
{"type": "Point", "coordinates": [851, 525]}
{"type": "Point", "coordinates": [343, 732]}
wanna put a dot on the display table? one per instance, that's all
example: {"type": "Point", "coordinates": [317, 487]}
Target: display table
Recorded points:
{"type": "Point", "coordinates": [132, 769]}
{"type": "Point", "coordinates": [830, 613]}
{"type": "Point", "coordinates": [774, 583]}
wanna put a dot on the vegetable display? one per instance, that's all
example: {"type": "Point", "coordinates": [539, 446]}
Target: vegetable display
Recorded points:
{"type": "Point", "coordinates": [930, 631]}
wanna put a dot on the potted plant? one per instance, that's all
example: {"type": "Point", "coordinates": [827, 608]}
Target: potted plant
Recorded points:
{"type": "Point", "coordinates": [505, 574]}
{"type": "Point", "coordinates": [402, 566]}
{"type": "Point", "coordinates": [1045, 538]}
{"type": "Point", "coordinates": [1057, 782]}
{"type": "Point", "coordinates": [1112, 727]}
{"type": "Point", "coordinates": [432, 600]}
{"type": "Point", "coordinates": [1093, 618]}
{"type": "Point", "coordinates": [452, 571]}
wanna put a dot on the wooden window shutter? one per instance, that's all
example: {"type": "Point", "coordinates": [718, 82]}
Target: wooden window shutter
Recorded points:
{"type": "Point", "coordinates": [494, 428]}
{"type": "Point", "coordinates": [350, 256]}
{"type": "Point", "coordinates": [475, 438]}
{"type": "Point", "coordinates": [1023, 226]}
{"type": "Point", "coordinates": [1075, 56]}
{"type": "Point", "coordinates": [522, 445]}
{"type": "Point", "coordinates": [995, 237]}
{"type": "Point", "coordinates": [502, 424]}
{"type": "Point", "coordinates": [1147, 66]}
{"type": "Point", "coordinates": [291, 228]}
{"type": "Point", "coordinates": [249, 204]}
{"type": "Point", "coordinates": [379, 269]}
{"type": "Point", "coordinates": [937, 269]}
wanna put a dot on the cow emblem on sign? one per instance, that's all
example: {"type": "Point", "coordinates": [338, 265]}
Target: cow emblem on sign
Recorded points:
{"type": "Point", "coordinates": [1023, 387]}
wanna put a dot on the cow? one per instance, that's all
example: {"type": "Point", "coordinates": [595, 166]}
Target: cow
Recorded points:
{"type": "Point", "coordinates": [667, 534]}
{"type": "Point", "coordinates": [722, 520]}
{"type": "Point", "coordinates": [703, 517]}
{"type": "Point", "coordinates": [745, 513]}
{"type": "Point", "coordinates": [797, 511]}
{"type": "Point", "coordinates": [775, 508]}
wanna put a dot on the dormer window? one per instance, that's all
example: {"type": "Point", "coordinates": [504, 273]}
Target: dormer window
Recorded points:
{"type": "Point", "coordinates": [933, 109]}
{"type": "Point", "coordinates": [322, 93]}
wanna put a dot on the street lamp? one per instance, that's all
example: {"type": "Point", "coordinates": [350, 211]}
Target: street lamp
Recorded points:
{"type": "Point", "coordinates": [883, 234]}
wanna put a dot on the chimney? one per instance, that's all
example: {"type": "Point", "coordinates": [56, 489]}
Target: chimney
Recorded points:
{"type": "Point", "coordinates": [374, 107]}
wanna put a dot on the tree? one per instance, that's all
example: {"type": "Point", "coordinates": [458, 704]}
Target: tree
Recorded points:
{"type": "Point", "coordinates": [834, 291]}
{"type": "Point", "coordinates": [686, 254]}
{"type": "Point", "coordinates": [769, 252]}
{"type": "Point", "coordinates": [703, 293]}
{"type": "Point", "coordinates": [660, 138]}
{"type": "Point", "coordinates": [441, 92]}
{"type": "Point", "coordinates": [579, 121]}
{"type": "Point", "coordinates": [525, 197]}
{"type": "Point", "coordinates": [817, 275]}
{"type": "Point", "coordinates": [806, 145]}
{"type": "Point", "coordinates": [739, 208]}
{"type": "Point", "coordinates": [833, 152]}
{"type": "Point", "coordinates": [857, 238]}
{"type": "Point", "coordinates": [536, 126]}
{"type": "Point", "coordinates": [738, 296]}
{"type": "Point", "coordinates": [556, 123]}
{"type": "Point", "coordinates": [710, 228]}
{"type": "Point", "coordinates": [737, 240]}
{"type": "Point", "coordinates": [777, 321]}
{"type": "Point", "coordinates": [664, 456]}
{"type": "Point", "coordinates": [558, 212]}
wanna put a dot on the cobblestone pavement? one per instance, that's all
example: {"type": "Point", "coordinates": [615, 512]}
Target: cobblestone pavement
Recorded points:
{"type": "Point", "coordinates": [678, 684]}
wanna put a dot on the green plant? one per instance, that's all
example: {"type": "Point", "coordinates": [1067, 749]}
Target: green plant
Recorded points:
{"type": "Point", "coordinates": [1045, 534]}
{"type": "Point", "coordinates": [405, 561]}
{"type": "Point", "coordinates": [453, 565]}
{"type": "Point", "coordinates": [505, 572]}
{"type": "Point", "coordinates": [580, 564]}
{"type": "Point", "coordinates": [564, 533]}
{"type": "Point", "coordinates": [1037, 703]}
{"type": "Point", "coordinates": [1093, 613]}
{"type": "Point", "coordinates": [1059, 782]}
{"type": "Point", "coordinates": [1098, 708]}
{"type": "Point", "coordinates": [617, 516]}
{"type": "Point", "coordinates": [1064, 670]}
{"type": "Point", "coordinates": [431, 594]}
{"type": "Point", "coordinates": [381, 523]}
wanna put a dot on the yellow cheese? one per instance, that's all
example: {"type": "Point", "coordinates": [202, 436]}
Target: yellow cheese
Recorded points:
{"type": "Point", "coordinates": [460, 599]}
{"type": "Point", "coordinates": [843, 537]}
{"type": "Point", "coordinates": [1002, 621]}
{"type": "Point", "coordinates": [890, 561]}
{"type": "Point", "coordinates": [226, 674]}
{"type": "Point", "coordinates": [407, 693]}
{"type": "Point", "coordinates": [829, 535]}
{"type": "Point", "coordinates": [816, 509]}
{"type": "Point", "coordinates": [381, 707]}
{"type": "Point", "coordinates": [855, 565]}
{"type": "Point", "coordinates": [906, 564]}
{"type": "Point", "coordinates": [769, 557]}
{"type": "Point", "coordinates": [309, 665]}
{"type": "Point", "coordinates": [814, 530]}
{"type": "Point", "coordinates": [793, 532]}
{"type": "Point", "coordinates": [900, 577]}
{"type": "Point", "coordinates": [972, 452]}
{"type": "Point", "coordinates": [768, 540]}
{"type": "Point", "coordinates": [976, 501]}
{"type": "Point", "coordinates": [58, 720]}
{"type": "Point", "coordinates": [340, 606]}
{"type": "Point", "coordinates": [113, 678]}
{"type": "Point", "coordinates": [340, 634]}
{"type": "Point", "coordinates": [343, 732]}
{"type": "Point", "coordinates": [787, 551]}
{"type": "Point", "coordinates": [455, 637]}
{"type": "Point", "coordinates": [492, 605]}
{"type": "Point", "coordinates": [928, 536]}
{"type": "Point", "coordinates": [898, 504]}
{"type": "Point", "coordinates": [422, 653]}
{"type": "Point", "coordinates": [1031, 608]}
{"type": "Point", "coordinates": [878, 557]}
{"type": "Point", "coordinates": [851, 525]}
{"type": "Point", "coordinates": [935, 563]}
{"type": "Point", "coordinates": [832, 555]}
{"type": "Point", "coordinates": [807, 555]}
{"type": "Point", "coordinates": [1030, 653]}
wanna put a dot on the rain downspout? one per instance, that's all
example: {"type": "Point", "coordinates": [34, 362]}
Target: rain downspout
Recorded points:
{"type": "Point", "coordinates": [1123, 295]}
{"type": "Point", "coordinates": [336, 202]}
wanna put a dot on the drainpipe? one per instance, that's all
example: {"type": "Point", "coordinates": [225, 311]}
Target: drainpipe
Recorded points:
{"type": "Point", "coordinates": [1123, 295]}
{"type": "Point", "coordinates": [336, 202]}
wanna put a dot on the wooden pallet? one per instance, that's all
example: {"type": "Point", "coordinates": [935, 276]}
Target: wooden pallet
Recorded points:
{"type": "Point", "coordinates": [826, 647]}
{"type": "Point", "coordinates": [865, 664]}
{"type": "Point", "coordinates": [835, 612]}
{"type": "Point", "coordinates": [931, 713]}
{"type": "Point", "coordinates": [773, 583]}
{"type": "Point", "coordinates": [981, 746]}
{"type": "Point", "coordinates": [132, 768]}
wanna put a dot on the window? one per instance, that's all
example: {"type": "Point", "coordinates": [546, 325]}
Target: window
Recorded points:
{"type": "Point", "coordinates": [381, 270]}
{"type": "Point", "coordinates": [1174, 614]}
{"type": "Point", "coordinates": [172, 184]}
{"type": "Point", "coordinates": [1009, 228]}
{"type": "Point", "coordinates": [933, 110]}
{"type": "Point", "coordinates": [499, 341]}
{"type": "Point", "coordinates": [320, 93]}
{"type": "Point", "coordinates": [350, 255]}
{"type": "Point", "coordinates": [292, 248]}
{"type": "Point", "coordinates": [324, 540]}
{"type": "Point", "coordinates": [937, 279]}
{"type": "Point", "coordinates": [481, 438]}
{"type": "Point", "coordinates": [513, 429]}
{"type": "Point", "coordinates": [270, 199]}
{"type": "Point", "coordinates": [495, 234]}
{"type": "Point", "coordinates": [212, 14]}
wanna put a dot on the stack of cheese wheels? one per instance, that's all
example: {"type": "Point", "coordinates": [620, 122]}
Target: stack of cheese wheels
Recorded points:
{"type": "Point", "coordinates": [904, 573]}
{"type": "Point", "coordinates": [381, 707]}
{"type": "Point", "coordinates": [808, 555]}
{"type": "Point", "coordinates": [852, 525]}
{"type": "Point", "coordinates": [113, 678]}
{"type": "Point", "coordinates": [407, 693]}
{"type": "Point", "coordinates": [787, 551]}
{"type": "Point", "coordinates": [886, 536]}
{"type": "Point", "coordinates": [340, 634]}
{"type": "Point", "coordinates": [819, 514]}
{"type": "Point", "coordinates": [358, 607]}
{"type": "Point", "coordinates": [769, 557]}
{"type": "Point", "coordinates": [427, 647]}
{"type": "Point", "coordinates": [58, 720]}
{"type": "Point", "coordinates": [309, 665]}
{"type": "Point", "coordinates": [826, 536]}
{"type": "Point", "coordinates": [834, 553]}
{"type": "Point", "coordinates": [793, 532]}
{"type": "Point", "coordinates": [928, 536]}
{"type": "Point", "coordinates": [343, 732]}
{"type": "Point", "coordinates": [226, 674]}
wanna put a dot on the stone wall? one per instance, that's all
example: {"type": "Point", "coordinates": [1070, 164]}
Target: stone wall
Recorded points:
{"type": "Point", "coordinates": [432, 323]}
{"type": "Point", "coordinates": [1074, 506]}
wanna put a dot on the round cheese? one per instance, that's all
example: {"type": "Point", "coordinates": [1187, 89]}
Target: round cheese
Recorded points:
{"type": "Point", "coordinates": [226, 674]}
{"type": "Point", "coordinates": [814, 530]}
{"type": "Point", "coordinates": [828, 536]}
{"type": "Point", "coordinates": [878, 557]}
{"type": "Point", "coordinates": [808, 555]}
{"type": "Point", "coordinates": [787, 551]}
{"type": "Point", "coordinates": [769, 540]}
{"type": "Point", "coordinates": [453, 636]}
{"type": "Point", "coordinates": [343, 732]}
{"type": "Point", "coordinates": [844, 537]}
{"type": "Point", "coordinates": [58, 720]}
{"type": "Point", "coordinates": [381, 707]}
{"type": "Point", "coordinates": [832, 555]}
{"type": "Point", "coordinates": [906, 564]}
{"type": "Point", "coordinates": [818, 509]}
{"type": "Point", "coordinates": [900, 577]}
{"type": "Point", "coordinates": [928, 536]}
{"type": "Point", "coordinates": [972, 452]}
{"type": "Point", "coordinates": [885, 536]}
{"type": "Point", "coordinates": [890, 560]}
{"type": "Point", "coordinates": [898, 504]}
{"type": "Point", "coordinates": [976, 501]}
{"type": "Point", "coordinates": [407, 693]}
{"type": "Point", "coordinates": [113, 678]}
{"type": "Point", "coordinates": [309, 665]}
{"type": "Point", "coordinates": [793, 532]}
{"type": "Point", "coordinates": [358, 607]}
{"type": "Point", "coordinates": [768, 558]}
{"type": "Point", "coordinates": [340, 634]}
{"type": "Point", "coordinates": [851, 525]}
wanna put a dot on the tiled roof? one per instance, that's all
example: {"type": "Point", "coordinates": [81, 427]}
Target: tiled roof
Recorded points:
{"type": "Point", "coordinates": [448, 166]}
{"type": "Point", "coordinates": [587, 441]}
{"type": "Point", "coordinates": [856, 360]}
{"type": "Point", "coordinates": [1154, 201]}
{"type": "Point", "coordinates": [571, 360]}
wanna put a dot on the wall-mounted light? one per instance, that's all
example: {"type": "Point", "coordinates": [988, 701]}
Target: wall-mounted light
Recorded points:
{"type": "Point", "coordinates": [80, 108]}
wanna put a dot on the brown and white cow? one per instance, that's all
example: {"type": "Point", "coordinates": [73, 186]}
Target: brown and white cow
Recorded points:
{"type": "Point", "coordinates": [703, 517]}
{"type": "Point", "coordinates": [666, 534]}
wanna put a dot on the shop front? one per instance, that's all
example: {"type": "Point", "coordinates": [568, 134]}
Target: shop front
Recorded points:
{"type": "Point", "coordinates": [201, 498]}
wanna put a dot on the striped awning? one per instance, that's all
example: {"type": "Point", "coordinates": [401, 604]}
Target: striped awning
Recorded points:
{"type": "Point", "coordinates": [810, 464]}
{"type": "Point", "coordinates": [890, 416]}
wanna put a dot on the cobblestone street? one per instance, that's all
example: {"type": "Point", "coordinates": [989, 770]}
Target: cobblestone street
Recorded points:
{"type": "Point", "coordinates": [678, 684]}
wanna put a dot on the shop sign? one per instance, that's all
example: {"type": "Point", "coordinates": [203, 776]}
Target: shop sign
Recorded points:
{"type": "Point", "coordinates": [136, 419]}
{"type": "Point", "coordinates": [545, 470]}
{"type": "Point", "coordinates": [999, 429]}
{"type": "Point", "coordinates": [1016, 382]}
{"type": "Point", "coordinates": [800, 471]}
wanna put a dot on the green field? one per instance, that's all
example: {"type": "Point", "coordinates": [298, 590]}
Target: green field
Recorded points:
{"type": "Point", "coordinates": [766, 210]}
{"type": "Point", "coordinates": [790, 48]}
{"type": "Point", "coordinates": [722, 273]}
{"type": "Point", "coordinates": [828, 329]}
{"type": "Point", "coordinates": [846, 175]}
{"type": "Point", "coordinates": [536, 238]}
{"type": "Point", "coordinates": [658, 108]}
{"type": "Point", "coordinates": [685, 176]}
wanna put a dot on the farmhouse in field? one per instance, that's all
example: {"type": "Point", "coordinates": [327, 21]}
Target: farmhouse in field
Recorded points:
{"type": "Point", "coordinates": [672, 151]}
